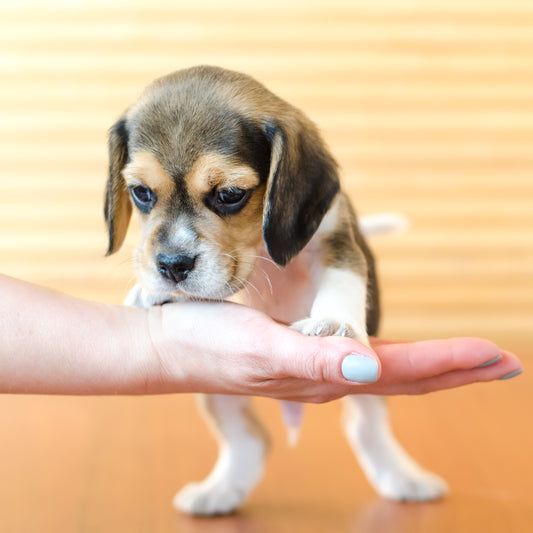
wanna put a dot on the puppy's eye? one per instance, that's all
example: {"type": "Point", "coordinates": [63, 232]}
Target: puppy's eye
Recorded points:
{"type": "Point", "coordinates": [227, 201]}
{"type": "Point", "coordinates": [142, 194]}
{"type": "Point", "coordinates": [144, 197]}
{"type": "Point", "coordinates": [230, 196]}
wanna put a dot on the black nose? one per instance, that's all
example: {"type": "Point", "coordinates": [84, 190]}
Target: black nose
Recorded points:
{"type": "Point", "coordinates": [175, 267]}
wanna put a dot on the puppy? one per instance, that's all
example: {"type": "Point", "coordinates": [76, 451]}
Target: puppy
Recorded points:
{"type": "Point", "coordinates": [234, 188]}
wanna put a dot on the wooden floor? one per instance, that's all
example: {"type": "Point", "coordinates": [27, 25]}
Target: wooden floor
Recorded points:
{"type": "Point", "coordinates": [428, 107]}
{"type": "Point", "coordinates": [113, 465]}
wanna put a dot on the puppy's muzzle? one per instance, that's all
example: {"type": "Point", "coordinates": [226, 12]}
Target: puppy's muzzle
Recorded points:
{"type": "Point", "coordinates": [175, 267]}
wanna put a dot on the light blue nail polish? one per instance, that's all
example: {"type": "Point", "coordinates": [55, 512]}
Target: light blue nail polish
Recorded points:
{"type": "Point", "coordinates": [360, 368]}
{"type": "Point", "coordinates": [511, 374]}
{"type": "Point", "coordinates": [490, 362]}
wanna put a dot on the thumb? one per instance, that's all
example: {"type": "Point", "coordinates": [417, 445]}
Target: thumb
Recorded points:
{"type": "Point", "coordinates": [331, 359]}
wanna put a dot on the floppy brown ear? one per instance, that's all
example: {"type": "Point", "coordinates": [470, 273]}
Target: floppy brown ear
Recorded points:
{"type": "Point", "coordinates": [302, 184]}
{"type": "Point", "coordinates": [117, 206]}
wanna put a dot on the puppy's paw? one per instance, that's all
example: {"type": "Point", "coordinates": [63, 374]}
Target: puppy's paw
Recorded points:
{"type": "Point", "coordinates": [208, 499]}
{"type": "Point", "coordinates": [418, 486]}
{"type": "Point", "coordinates": [324, 327]}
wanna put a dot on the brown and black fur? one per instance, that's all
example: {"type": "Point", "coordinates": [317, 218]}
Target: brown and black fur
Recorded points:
{"type": "Point", "coordinates": [190, 114]}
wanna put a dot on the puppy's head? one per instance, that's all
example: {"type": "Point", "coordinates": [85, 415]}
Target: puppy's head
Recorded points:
{"type": "Point", "coordinates": [214, 164]}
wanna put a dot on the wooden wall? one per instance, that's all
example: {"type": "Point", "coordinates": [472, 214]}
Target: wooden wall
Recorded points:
{"type": "Point", "coordinates": [427, 105]}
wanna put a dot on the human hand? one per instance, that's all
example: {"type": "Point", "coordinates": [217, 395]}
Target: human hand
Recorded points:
{"type": "Point", "coordinates": [230, 349]}
{"type": "Point", "coordinates": [82, 347]}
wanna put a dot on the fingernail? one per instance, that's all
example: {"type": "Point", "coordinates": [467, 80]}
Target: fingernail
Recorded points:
{"type": "Point", "coordinates": [490, 362]}
{"type": "Point", "coordinates": [511, 374]}
{"type": "Point", "coordinates": [360, 368]}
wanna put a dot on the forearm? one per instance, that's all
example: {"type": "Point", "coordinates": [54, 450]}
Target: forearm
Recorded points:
{"type": "Point", "coordinates": [56, 344]}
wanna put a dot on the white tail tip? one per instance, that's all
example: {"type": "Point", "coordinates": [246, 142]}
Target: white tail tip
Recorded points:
{"type": "Point", "coordinates": [293, 415]}
{"type": "Point", "coordinates": [382, 223]}
{"type": "Point", "coordinates": [293, 435]}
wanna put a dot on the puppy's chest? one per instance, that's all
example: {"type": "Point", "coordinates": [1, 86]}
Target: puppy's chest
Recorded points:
{"type": "Point", "coordinates": [286, 294]}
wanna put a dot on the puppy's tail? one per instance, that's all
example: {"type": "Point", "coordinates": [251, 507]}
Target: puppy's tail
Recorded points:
{"type": "Point", "coordinates": [382, 223]}
{"type": "Point", "coordinates": [293, 415]}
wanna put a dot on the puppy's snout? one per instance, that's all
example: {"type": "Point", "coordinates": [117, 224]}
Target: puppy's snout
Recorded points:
{"type": "Point", "coordinates": [175, 267]}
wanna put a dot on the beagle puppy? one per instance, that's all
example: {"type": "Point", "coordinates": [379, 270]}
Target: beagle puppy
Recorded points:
{"type": "Point", "coordinates": [235, 189]}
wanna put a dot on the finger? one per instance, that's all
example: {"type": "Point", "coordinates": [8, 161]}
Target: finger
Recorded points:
{"type": "Point", "coordinates": [339, 360]}
{"type": "Point", "coordinates": [302, 390]}
{"type": "Point", "coordinates": [508, 366]}
{"type": "Point", "coordinates": [408, 362]}
{"type": "Point", "coordinates": [376, 342]}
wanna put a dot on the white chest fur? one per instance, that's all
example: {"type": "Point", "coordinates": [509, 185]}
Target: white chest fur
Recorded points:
{"type": "Point", "coordinates": [286, 294]}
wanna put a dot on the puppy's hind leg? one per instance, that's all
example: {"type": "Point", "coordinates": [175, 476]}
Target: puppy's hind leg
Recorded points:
{"type": "Point", "coordinates": [388, 467]}
{"type": "Point", "coordinates": [243, 446]}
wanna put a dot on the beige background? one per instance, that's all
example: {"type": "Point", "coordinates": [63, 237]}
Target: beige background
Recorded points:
{"type": "Point", "coordinates": [428, 107]}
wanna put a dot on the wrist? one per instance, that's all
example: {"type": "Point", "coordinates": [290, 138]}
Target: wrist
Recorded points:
{"type": "Point", "coordinates": [167, 353]}
{"type": "Point", "coordinates": [136, 351]}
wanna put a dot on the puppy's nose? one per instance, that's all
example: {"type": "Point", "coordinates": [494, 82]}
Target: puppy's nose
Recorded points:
{"type": "Point", "coordinates": [175, 267]}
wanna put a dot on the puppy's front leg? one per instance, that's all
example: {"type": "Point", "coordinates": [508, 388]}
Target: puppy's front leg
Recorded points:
{"type": "Point", "coordinates": [340, 309]}
{"type": "Point", "coordinates": [243, 444]}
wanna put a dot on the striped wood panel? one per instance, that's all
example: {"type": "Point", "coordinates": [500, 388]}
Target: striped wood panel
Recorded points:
{"type": "Point", "coordinates": [428, 106]}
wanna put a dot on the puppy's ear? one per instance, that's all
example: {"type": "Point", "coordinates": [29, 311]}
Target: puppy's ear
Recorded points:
{"type": "Point", "coordinates": [302, 184]}
{"type": "Point", "coordinates": [117, 206]}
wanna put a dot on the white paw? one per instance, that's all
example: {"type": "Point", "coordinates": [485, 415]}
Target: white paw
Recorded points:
{"type": "Point", "coordinates": [207, 498]}
{"type": "Point", "coordinates": [412, 487]}
{"type": "Point", "coordinates": [325, 327]}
